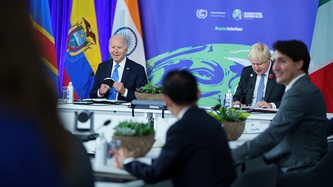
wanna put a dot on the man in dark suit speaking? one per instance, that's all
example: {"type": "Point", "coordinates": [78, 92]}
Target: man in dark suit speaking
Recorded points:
{"type": "Point", "coordinates": [196, 152]}
{"type": "Point", "coordinates": [257, 86]}
{"type": "Point", "coordinates": [126, 74]}
{"type": "Point", "coordinates": [296, 137]}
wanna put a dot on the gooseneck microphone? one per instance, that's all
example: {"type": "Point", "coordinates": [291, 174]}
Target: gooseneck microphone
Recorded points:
{"type": "Point", "coordinates": [251, 85]}
{"type": "Point", "coordinates": [84, 87]}
{"type": "Point", "coordinates": [94, 136]}
{"type": "Point", "coordinates": [216, 107]}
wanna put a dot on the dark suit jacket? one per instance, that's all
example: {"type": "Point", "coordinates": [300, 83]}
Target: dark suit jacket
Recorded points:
{"type": "Point", "coordinates": [296, 137]}
{"type": "Point", "coordinates": [196, 153]}
{"type": "Point", "coordinates": [244, 92]}
{"type": "Point", "coordinates": [329, 124]}
{"type": "Point", "coordinates": [134, 77]}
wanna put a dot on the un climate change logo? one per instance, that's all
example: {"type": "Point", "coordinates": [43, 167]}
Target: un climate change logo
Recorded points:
{"type": "Point", "coordinates": [132, 39]}
{"type": "Point", "coordinates": [237, 14]}
{"type": "Point", "coordinates": [202, 13]}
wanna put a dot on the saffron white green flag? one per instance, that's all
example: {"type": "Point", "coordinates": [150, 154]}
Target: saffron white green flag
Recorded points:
{"type": "Point", "coordinates": [127, 22]}
{"type": "Point", "coordinates": [321, 66]}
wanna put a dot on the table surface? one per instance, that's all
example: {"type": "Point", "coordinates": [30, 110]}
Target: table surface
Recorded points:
{"type": "Point", "coordinates": [255, 118]}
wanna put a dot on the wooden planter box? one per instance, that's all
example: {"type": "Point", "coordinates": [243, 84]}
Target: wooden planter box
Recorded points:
{"type": "Point", "coordinates": [138, 145]}
{"type": "Point", "coordinates": [146, 96]}
{"type": "Point", "coordinates": [233, 130]}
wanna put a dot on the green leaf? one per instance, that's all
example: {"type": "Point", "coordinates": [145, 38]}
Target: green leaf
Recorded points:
{"type": "Point", "coordinates": [132, 128]}
{"type": "Point", "coordinates": [151, 89]}
{"type": "Point", "coordinates": [222, 114]}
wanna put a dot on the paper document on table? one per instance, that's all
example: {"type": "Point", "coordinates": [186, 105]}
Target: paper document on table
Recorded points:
{"type": "Point", "coordinates": [267, 110]}
{"type": "Point", "coordinates": [107, 101]}
{"type": "Point", "coordinates": [254, 109]}
{"type": "Point", "coordinates": [255, 126]}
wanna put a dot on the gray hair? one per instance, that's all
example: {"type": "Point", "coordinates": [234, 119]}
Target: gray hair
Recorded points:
{"type": "Point", "coordinates": [120, 36]}
{"type": "Point", "coordinates": [259, 51]}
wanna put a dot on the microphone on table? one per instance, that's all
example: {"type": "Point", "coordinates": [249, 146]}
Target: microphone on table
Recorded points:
{"type": "Point", "coordinates": [216, 107]}
{"type": "Point", "coordinates": [240, 105]}
{"type": "Point", "coordinates": [84, 87]}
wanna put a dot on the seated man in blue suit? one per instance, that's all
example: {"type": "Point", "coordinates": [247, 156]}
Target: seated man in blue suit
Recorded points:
{"type": "Point", "coordinates": [196, 152]}
{"type": "Point", "coordinates": [249, 91]}
{"type": "Point", "coordinates": [296, 137]}
{"type": "Point", "coordinates": [127, 74]}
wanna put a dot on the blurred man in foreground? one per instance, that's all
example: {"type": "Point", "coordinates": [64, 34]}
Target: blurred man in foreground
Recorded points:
{"type": "Point", "coordinates": [196, 152]}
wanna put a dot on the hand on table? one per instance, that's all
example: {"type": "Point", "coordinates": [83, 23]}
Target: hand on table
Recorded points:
{"type": "Point", "coordinates": [263, 104]}
{"type": "Point", "coordinates": [119, 156]}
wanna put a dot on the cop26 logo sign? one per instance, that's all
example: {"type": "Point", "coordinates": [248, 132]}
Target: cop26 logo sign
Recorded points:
{"type": "Point", "coordinates": [202, 13]}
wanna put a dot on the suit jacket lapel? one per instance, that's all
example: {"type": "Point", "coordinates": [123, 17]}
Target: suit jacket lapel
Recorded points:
{"type": "Point", "coordinates": [252, 80]}
{"type": "Point", "coordinates": [270, 83]}
{"type": "Point", "coordinates": [107, 71]}
{"type": "Point", "coordinates": [126, 71]}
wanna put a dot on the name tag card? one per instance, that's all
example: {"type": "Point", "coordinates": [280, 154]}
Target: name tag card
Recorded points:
{"type": "Point", "coordinates": [256, 126]}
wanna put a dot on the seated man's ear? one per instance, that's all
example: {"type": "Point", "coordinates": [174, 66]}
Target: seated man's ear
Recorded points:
{"type": "Point", "coordinates": [198, 94]}
{"type": "Point", "coordinates": [166, 99]}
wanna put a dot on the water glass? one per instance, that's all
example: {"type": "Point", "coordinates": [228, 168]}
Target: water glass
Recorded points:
{"type": "Point", "coordinates": [113, 146]}
{"type": "Point", "coordinates": [64, 94]}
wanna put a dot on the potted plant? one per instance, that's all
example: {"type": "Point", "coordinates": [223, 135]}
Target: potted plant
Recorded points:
{"type": "Point", "coordinates": [136, 137]}
{"type": "Point", "coordinates": [149, 92]}
{"type": "Point", "coordinates": [232, 120]}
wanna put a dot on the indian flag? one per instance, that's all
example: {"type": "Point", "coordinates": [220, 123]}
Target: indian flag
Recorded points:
{"type": "Point", "coordinates": [127, 22]}
{"type": "Point", "coordinates": [321, 66]}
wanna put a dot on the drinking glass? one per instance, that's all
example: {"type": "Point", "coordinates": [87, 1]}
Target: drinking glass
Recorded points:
{"type": "Point", "coordinates": [114, 145]}
{"type": "Point", "coordinates": [64, 94]}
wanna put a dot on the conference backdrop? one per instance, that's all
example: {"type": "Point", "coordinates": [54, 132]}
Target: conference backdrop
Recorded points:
{"type": "Point", "coordinates": [211, 38]}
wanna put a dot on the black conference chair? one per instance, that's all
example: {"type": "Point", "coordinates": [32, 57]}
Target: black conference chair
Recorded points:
{"type": "Point", "coordinates": [319, 175]}
{"type": "Point", "coordinates": [264, 176]}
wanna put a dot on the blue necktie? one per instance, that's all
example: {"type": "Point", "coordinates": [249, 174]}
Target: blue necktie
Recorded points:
{"type": "Point", "coordinates": [115, 77]}
{"type": "Point", "coordinates": [261, 87]}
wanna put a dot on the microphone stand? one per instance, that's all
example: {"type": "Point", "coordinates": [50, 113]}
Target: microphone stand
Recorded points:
{"type": "Point", "coordinates": [240, 105]}
{"type": "Point", "coordinates": [81, 95]}
{"type": "Point", "coordinates": [93, 136]}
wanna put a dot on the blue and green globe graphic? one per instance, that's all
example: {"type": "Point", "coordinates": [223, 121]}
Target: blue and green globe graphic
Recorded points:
{"type": "Point", "coordinates": [237, 14]}
{"type": "Point", "coordinates": [217, 68]}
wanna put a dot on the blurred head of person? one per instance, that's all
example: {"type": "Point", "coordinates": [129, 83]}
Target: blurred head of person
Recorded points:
{"type": "Point", "coordinates": [291, 58]}
{"type": "Point", "coordinates": [260, 57]}
{"type": "Point", "coordinates": [118, 47]}
{"type": "Point", "coordinates": [25, 88]}
{"type": "Point", "coordinates": [180, 89]}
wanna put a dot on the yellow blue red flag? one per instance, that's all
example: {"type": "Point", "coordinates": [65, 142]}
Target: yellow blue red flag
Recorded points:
{"type": "Point", "coordinates": [83, 51]}
{"type": "Point", "coordinates": [41, 21]}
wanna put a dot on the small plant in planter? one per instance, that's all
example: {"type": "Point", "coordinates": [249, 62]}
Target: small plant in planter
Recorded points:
{"type": "Point", "coordinates": [149, 92]}
{"type": "Point", "coordinates": [223, 114]}
{"type": "Point", "coordinates": [151, 89]}
{"type": "Point", "coordinates": [233, 120]}
{"type": "Point", "coordinates": [137, 138]}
